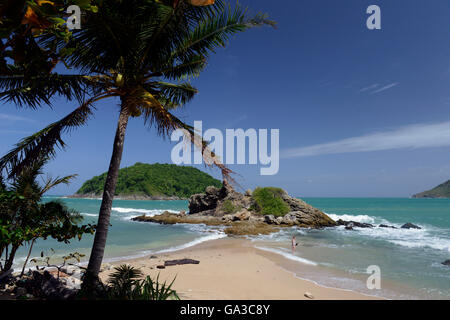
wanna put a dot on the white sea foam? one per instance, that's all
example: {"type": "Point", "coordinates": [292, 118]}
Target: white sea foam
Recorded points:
{"type": "Point", "coordinates": [283, 235]}
{"type": "Point", "coordinates": [426, 237]}
{"type": "Point", "coordinates": [128, 213]}
{"type": "Point", "coordinates": [89, 214]}
{"type": "Point", "coordinates": [287, 255]}
{"type": "Point", "coordinates": [347, 217]}
{"type": "Point", "coordinates": [145, 211]}
{"type": "Point", "coordinates": [431, 242]}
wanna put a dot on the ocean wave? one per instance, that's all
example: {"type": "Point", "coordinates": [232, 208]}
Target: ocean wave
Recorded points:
{"type": "Point", "coordinates": [427, 237]}
{"type": "Point", "coordinates": [89, 214]}
{"type": "Point", "coordinates": [284, 234]}
{"type": "Point", "coordinates": [358, 218]}
{"type": "Point", "coordinates": [212, 236]}
{"type": "Point", "coordinates": [433, 242]}
{"type": "Point", "coordinates": [287, 255]}
{"type": "Point", "coordinates": [146, 211]}
{"type": "Point", "coordinates": [133, 212]}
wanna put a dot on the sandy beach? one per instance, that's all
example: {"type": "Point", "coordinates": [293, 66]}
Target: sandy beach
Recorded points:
{"type": "Point", "coordinates": [231, 268]}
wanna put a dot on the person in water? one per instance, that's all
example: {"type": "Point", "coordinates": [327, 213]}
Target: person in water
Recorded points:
{"type": "Point", "coordinates": [294, 243]}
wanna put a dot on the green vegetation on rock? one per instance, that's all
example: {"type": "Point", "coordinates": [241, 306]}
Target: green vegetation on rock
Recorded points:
{"type": "Point", "coordinates": [269, 201]}
{"type": "Point", "coordinates": [441, 191]}
{"type": "Point", "coordinates": [154, 180]}
{"type": "Point", "coordinates": [229, 208]}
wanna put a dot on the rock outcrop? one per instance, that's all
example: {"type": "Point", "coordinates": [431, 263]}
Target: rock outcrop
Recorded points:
{"type": "Point", "coordinates": [386, 226]}
{"type": "Point", "coordinates": [45, 286]}
{"type": "Point", "coordinates": [351, 224]}
{"type": "Point", "coordinates": [225, 206]}
{"type": "Point", "coordinates": [409, 225]}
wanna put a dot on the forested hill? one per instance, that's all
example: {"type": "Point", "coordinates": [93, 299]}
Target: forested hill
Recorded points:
{"type": "Point", "coordinates": [152, 181]}
{"type": "Point", "coordinates": [441, 191]}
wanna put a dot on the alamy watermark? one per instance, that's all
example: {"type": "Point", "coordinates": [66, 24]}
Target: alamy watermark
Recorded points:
{"type": "Point", "coordinates": [374, 280]}
{"type": "Point", "coordinates": [74, 20]}
{"type": "Point", "coordinates": [374, 20]}
{"type": "Point", "coordinates": [235, 143]}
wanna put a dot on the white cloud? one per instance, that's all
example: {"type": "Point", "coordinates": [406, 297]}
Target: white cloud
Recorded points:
{"type": "Point", "coordinates": [369, 87]}
{"type": "Point", "coordinates": [408, 137]}
{"type": "Point", "coordinates": [234, 122]}
{"type": "Point", "coordinates": [11, 118]}
{"type": "Point", "coordinates": [389, 86]}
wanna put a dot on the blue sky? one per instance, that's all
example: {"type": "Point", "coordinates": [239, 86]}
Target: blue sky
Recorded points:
{"type": "Point", "coordinates": [361, 113]}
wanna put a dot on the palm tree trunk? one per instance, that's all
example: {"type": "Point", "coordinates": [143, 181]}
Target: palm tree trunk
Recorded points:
{"type": "Point", "coordinates": [10, 260]}
{"type": "Point", "coordinates": [98, 248]}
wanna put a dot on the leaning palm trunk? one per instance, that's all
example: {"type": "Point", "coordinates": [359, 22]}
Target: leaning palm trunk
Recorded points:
{"type": "Point", "coordinates": [28, 258]}
{"type": "Point", "coordinates": [98, 248]}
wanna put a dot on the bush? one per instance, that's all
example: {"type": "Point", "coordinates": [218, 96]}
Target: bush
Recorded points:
{"type": "Point", "coordinates": [269, 201]}
{"type": "Point", "coordinates": [124, 284]}
{"type": "Point", "coordinates": [229, 207]}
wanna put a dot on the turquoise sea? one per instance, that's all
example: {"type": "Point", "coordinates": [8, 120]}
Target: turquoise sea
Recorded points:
{"type": "Point", "coordinates": [409, 260]}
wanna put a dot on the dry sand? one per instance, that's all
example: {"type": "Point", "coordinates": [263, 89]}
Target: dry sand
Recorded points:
{"type": "Point", "coordinates": [232, 268]}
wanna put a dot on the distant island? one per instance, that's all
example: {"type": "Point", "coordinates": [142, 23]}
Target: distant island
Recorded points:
{"type": "Point", "coordinates": [152, 182]}
{"type": "Point", "coordinates": [441, 191]}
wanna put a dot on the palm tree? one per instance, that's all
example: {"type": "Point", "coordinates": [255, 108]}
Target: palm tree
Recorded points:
{"type": "Point", "coordinates": [141, 52]}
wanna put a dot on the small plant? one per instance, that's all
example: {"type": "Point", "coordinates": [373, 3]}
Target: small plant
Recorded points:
{"type": "Point", "coordinates": [228, 207]}
{"type": "Point", "coordinates": [269, 201]}
{"type": "Point", "coordinates": [124, 284]}
{"type": "Point", "coordinates": [154, 290]}
{"type": "Point", "coordinates": [76, 256]}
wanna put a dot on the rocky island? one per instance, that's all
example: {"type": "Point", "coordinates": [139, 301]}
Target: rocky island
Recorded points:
{"type": "Point", "coordinates": [262, 211]}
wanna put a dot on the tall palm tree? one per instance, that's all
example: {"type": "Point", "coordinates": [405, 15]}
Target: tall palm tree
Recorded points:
{"type": "Point", "coordinates": [141, 52]}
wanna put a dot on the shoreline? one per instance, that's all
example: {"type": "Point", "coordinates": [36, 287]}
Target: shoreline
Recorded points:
{"type": "Point", "coordinates": [233, 269]}
{"type": "Point", "coordinates": [125, 197]}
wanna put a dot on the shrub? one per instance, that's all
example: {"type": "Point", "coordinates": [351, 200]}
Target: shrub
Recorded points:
{"type": "Point", "coordinates": [229, 207]}
{"type": "Point", "coordinates": [269, 201]}
{"type": "Point", "coordinates": [124, 284]}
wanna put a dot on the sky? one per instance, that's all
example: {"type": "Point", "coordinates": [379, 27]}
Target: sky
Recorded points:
{"type": "Point", "coordinates": [361, 113]}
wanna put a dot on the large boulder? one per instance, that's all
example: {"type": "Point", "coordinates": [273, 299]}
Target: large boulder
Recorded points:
{"type": "Point", "coordinates": [204, 201]}
{"type": "Point", "coordinates": [310, 218]}
{"type": "Point", "coordinates": [212, 201]}
{"type": "Point", "coordinates": [304, 214]}
{"type": "Point", "coordinates": [270, 219]}
{"type": "Point", "coordinates": [242, 215]}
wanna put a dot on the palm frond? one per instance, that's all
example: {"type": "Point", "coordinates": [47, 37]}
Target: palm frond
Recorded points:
{"type": "Point", "coordinates": [51, 183]}
{"type": "Point", "coordinates": [156, 114]}
{"type": "Point", "coordinates": [216, 31]}
{"type": "Point", "coordinates": [191, 68]}
{"type": "Point", "coordinates": [44, 143]}
{"type": "Point", "coordinates": [36, 90]}
{"type": "Point", "coordinates": [173, 94]}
